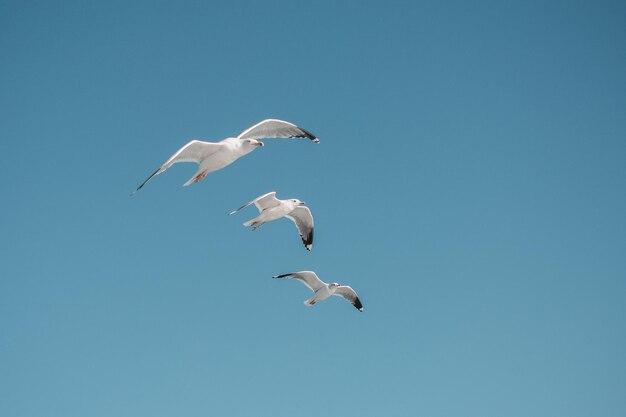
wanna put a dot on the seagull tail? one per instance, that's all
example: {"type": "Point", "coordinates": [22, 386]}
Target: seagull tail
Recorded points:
{"type": "Point", "coordinates": [189, 181]}
{"type": "Point", "coordinates": [249, 223]}
{"type": "Point", "coordinates": [309, 303]}
{"type": "Point", "coordinates": [197, 177]}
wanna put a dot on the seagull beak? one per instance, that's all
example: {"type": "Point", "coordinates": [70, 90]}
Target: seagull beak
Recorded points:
{"type": "Point", "coordinates": [302, 203]}
{"type": "Point", "coordinates": [259, 144]}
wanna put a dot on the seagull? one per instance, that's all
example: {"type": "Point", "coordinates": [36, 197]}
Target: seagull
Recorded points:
{"type": "Point", "coordinates": [271, 208]}
{"type": "Point", "coordinates": [212, 156]}
{"type": "Point", "coordinates": [322, 290]}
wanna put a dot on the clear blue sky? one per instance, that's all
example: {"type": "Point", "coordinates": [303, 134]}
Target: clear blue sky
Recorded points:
{"type": "Point", "coordinates": [470, 185]}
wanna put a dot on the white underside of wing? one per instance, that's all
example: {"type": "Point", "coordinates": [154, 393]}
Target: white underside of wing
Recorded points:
{"type": "Point", "coordinates": [194, 151]}
{"type": "Point", "coordinates": [274, 128]}
{"type": "Point", "coordinates": [262, 202]}
{"type": "Point", "coordinates": [347, 293]}
{"type": "Point", "coordinates": [303, 220]}
{"type": "Point", "coordinates": [308, 278]}
{"type": "Point", "coordinates": [266, 201]}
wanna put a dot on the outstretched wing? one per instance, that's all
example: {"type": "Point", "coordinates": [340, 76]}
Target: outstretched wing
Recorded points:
{"type": "Point", "coordinates": [274, 128]}
{"type": "Point", "coordinates": [194, 151]}
{"type": "Point", "coordinates": [308, 278]}
{"type": "Point", "coordinates": [265, 201]}
{"type": "Point", "coordinates": [349, 295]}
{"type": "Point", "coordinates": [303, 219]}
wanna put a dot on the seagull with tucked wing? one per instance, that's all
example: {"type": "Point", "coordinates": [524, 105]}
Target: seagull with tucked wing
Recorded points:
{"type": "Point", "coordinates": [212, 156]}
{"type": "Point", "coordinates": [271, 208]}
{"type": "Point", "coordinates": [322, 290]}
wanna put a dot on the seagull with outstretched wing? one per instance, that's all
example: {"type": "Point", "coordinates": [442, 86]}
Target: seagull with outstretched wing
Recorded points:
{"type": "Point", "coordinates": [271, 208]}
{"type": "Point", "coordinates": [212, 156]}
{"type": "Point", "coordinates": [322, 290]}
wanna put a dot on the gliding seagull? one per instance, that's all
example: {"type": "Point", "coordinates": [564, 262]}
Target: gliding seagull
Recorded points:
{"type": "Point", "coordinates": [322, 290]}
{"type": "Point", "coordinates": [212, 156]}
{"type": "Point", "coordinates": [271, 208]}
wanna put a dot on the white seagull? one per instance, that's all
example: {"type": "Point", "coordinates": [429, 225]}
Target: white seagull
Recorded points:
{"type": "Point", "coordinates": [212, 156]}
{"type": "Point", "coordinates": [271, 208]}
{"type": "Point", "coordinates": [322, 290]}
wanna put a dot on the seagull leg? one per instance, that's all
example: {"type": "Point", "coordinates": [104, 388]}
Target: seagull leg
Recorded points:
{"type": "Point", "coordinates": [257, 225]}
{"type": "Point", "coordinates": [200, 176]}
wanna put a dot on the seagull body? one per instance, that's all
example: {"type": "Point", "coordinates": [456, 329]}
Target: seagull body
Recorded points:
{"type": "Point", "coordinates": [271, 208]}
{"type": "Point", "coordinates": [212, 156]}
{"type": "Point", "coordinates": [322, 290]}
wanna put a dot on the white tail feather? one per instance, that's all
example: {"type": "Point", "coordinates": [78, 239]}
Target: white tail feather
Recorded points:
{"type": "Point", "coordinates": [189, 181]}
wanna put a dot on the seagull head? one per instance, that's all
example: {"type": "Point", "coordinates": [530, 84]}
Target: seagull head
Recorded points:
{"type": "Point", "coordinates": [297, 202]}
{"type": "Point", "coordinates": [253, 143]}
{"type": "Point", "coordinates": [333, 285]}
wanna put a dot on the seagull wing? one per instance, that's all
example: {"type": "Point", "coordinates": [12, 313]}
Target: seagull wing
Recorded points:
{"type": "Point", "coordinates": [274, 128]}
{"type": "Point", "coordinates": [303, 219]}
{"type": "Point", "coordinates": [265, 201]}
{"type": "Point", "coordinates": [308, 278]}
{"type": "Point", "coordinates": [348, 294]}
{"type": "Point", "coordinates": [194, 151]}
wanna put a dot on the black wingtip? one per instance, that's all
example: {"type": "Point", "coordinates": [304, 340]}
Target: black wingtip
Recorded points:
{"type": "Point", "coordinates": [139, 188]}
{"type": "Point", "coordinates": [307, 135]}
{"type": "Point", "coordinates": [147, 179]}
{"type": "Point", "coordinates": [308, 240]}
{"type": "Point", "coordinates": [358, 305]}
{"type": "Point", "coordinates": [281, 276]}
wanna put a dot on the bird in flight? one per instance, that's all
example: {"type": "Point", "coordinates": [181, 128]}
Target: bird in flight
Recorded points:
{"type": "Point", "coordinates": [212, 156]}
{"type": "Point", "coordinates": [271, 208]}
{"type": "Point", "coordinates": [322, 290]}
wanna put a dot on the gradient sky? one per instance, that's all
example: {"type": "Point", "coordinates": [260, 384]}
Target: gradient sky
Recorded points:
{"type": "Point", "coordinates": [469, 184]}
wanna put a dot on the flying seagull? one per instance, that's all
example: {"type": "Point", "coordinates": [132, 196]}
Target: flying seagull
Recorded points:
{"type": "Point", "coordinates": [322, 290]}
{"type": "Point", "coordinates": [271, 208]}
{"type": "Point", "coordinates": [212, 156]}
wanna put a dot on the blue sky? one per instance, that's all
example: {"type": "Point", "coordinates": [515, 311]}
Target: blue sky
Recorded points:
{"type": "Point", "coordinates": [469, 185]}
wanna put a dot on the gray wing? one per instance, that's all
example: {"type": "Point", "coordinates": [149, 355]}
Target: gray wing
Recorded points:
{"type": "Point", "coordinates": [274, 128]}
{"type": "Point", "coordinates": [303, 219]}
{"type": "Point", "coordinates": [348, 294]}
{"type": "Point", "coordinates": [308, 278]}
{"type": "Point", "coordinates": [194, 151]}
{"type": "Point", "coordinates": [265, 201]}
